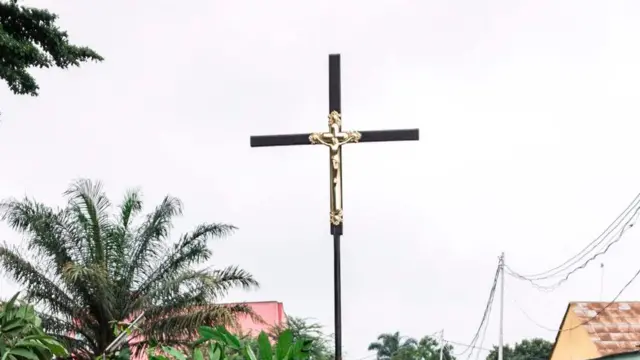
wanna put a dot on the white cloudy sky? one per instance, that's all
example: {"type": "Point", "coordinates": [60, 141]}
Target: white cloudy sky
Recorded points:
{"type": "Point", "coordinates": [528, 116]}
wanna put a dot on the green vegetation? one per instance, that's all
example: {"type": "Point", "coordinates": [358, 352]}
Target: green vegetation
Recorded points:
{"type": "Point", "coordinates": [321, 346]}
{"type": "Point", "coordinates": [30, 38]}
{"type": "Point", "coordinates": [218, 344]}
{"type": "Point", "coordinates": [21, 337]}
{"type": "Point", "coordinates": [89, 269]}
{"type": "Point", "coordinates": [395, 347]}
{"type": "Point", "coordinates": [527, 349]}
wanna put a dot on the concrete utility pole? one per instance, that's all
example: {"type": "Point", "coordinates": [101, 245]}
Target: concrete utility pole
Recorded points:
{"type": "Point", "coordinates": [500, 338]}
{"type": "Point", "coordinates": [120, 337]}
{"type": "Point", "coordinates": [442, 344]}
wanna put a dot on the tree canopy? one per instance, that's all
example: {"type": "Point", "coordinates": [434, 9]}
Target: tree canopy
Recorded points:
{"type": "Point", "coordinates": [393, 346]}
{"type": "Point", "coordinates": [527, 349]}
{"type": "Point", "coordinates": [89, 269]}
{"type": "Point", "coordinates": [29, 37]}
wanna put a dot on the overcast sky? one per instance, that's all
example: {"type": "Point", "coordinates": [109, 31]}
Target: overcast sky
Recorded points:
{"type": "Point", "coordinates": [528, 112]}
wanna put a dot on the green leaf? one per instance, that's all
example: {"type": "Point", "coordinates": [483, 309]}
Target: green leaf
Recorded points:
{"type": "Point", "coordinates": [36, 337]}
{"type": "Point", "coordinates": [209, 333]}
{"type": "Point", "coordinates": [12, 325]}
{"type": "Point", "coordinates": [8, 306]}
{"type": "Point", "coordinates": [33, 344]}
{"type": "Point", "coordinates": [230, 340]}
{"type": "Point", "coordinates": [264, 346]}
{"type": "Point", "coordinates": [124, 354]}
{"type": "Point", "coordinates": [197, 354]}
{"type": "Point", "coordinates": [249, 354]}
{"type": "Point", "coordinates": [283, 347]}
{"type": "Point", "coordinates": [296, 350]}
{"type": "Point", "coordinates": [174, 352]}
{"type": "Point", "coordinates": [23, 353]}
{"type": "Point", "coordinates": [215, 352]}
{"type": "Point", "coordinates": [55, 347]}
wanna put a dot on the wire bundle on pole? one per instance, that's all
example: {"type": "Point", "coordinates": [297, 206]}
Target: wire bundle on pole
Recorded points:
{"type": "Point", "coordinates": [599, 246]}
{"type": "Point", "coordinates": [482, 328]}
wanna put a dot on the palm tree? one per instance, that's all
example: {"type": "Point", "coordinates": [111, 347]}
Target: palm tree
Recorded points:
{"type": "Point", "coordinates": [392, 346]}
{"type": "Point", "coordinates": [88, 270]}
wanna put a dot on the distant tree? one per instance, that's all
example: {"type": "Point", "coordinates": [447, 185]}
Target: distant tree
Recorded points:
{"type": "Point", "coordinates": [527, 349]}
{"type": "Point", "coordinates": [29, 37]}
{"type": "Point", "coordinates": [394, 347]}
{"type": "Point", "coordinates": [429, 349]}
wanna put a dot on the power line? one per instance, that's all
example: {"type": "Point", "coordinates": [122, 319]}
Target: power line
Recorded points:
{"type": "Point", "coordinates": [585, 322]}
{"type": "Point", "coordinates": [627, 225]}
{"type": "Point", "coordinates": [485, 314]}
{"type": "Point", "coordinates": [484, 333]}
{"type": "Point", "coordinates": [635, 204]}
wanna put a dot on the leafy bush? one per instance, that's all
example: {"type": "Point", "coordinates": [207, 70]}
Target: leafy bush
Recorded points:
{"type": "Point", "coordinates": [21, 335]}
{"type": "Point", "coordinates": [218, 344]}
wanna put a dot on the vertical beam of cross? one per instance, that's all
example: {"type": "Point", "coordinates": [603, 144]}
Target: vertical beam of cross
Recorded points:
{"type": "Point", "coordinates": [335, 178]}
{"type": "Point", "coordinates": [334, 139]}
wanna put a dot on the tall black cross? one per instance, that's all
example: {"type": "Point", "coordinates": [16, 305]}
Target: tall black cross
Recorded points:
{"type": "Point", "coordinates": [334, 139]}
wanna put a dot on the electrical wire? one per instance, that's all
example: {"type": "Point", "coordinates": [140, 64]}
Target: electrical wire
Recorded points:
{"type": "Point", "coordinates": [596, 241]}
{"type": "Point", "coordinates": [485, 314]}
{"type": "Point", "coordinates": [585, 322]}
{"type": "Point", "coordinates": [627, 225]}
{"type": "Point", "coordinates": [484, 333]}
{"type": "Point", "coordinates": [635, 204]}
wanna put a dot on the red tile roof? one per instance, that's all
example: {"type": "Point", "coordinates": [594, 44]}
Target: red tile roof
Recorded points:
{"type": "Point", "coordinates": [615, 329]}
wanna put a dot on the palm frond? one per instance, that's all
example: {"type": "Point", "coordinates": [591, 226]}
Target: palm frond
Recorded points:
{"type": "Point", "coordinates": [41, 288]}
{"type": "Point", "coordinates": [189, 250]}
{"type": "Point", "coordinates": [232, 277]}
{"type": "Point", "coordinates": [91, 203]}
{"type": "Point", "coordinates": [87, 269]}
{"type": "Point", "coordinates": [130, 207]}
{"type": "Point", "coordinates": [74, 328]}
{"type": "Point", "coordinates": [179, 324]}
{"type": "Point", "coordinates": [150, 239]}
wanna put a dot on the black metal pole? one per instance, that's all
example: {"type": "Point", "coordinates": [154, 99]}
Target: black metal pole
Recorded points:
{"type": "Point", "coordinates": [337, 295]}
{"type": "Point", "coordinates": [335, 103]}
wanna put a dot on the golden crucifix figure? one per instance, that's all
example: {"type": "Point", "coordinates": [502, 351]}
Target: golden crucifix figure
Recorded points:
{"type": "Point", "coordinates": [334, 139]}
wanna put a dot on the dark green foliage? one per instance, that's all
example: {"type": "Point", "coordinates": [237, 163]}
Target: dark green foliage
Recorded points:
{"type": "Point", "coordinates": [527, 349]}
{"type": "Point", "coordinates": [396, 347]}
{"type": "Point", "coordinates": [391, 346]}
{"type": "Point", "coordinates": [30, 38]}
{"type": "Point", "coordinates": [21, 337]}
{"type": "Point", "coordinates": [90, 270]}
{"type": "Point", "coordinates": [218, 344]}
{"type": "Point", "coordinates": [321, 347]}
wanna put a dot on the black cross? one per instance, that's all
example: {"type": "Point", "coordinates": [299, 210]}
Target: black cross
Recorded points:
{"type": "Point", "coordinates": [334, 139]}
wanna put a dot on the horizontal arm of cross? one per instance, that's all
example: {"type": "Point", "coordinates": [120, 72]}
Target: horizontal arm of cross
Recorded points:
{"type": "Point", "coordinates": [367, 136]}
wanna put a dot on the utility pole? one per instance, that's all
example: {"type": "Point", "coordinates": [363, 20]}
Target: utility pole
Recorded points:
{"type": "Point", "coordinates": [442, 344]}
{"type": "Point", "coordinates": [500, 338]}
{"type": "Point", "coordinates": [601, 280]}
{"type": "Point", "coordinates": [115, 343]}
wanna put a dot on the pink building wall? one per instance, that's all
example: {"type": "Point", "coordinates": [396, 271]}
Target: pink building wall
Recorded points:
{"type": "Point", "coordinates": [271, 312]}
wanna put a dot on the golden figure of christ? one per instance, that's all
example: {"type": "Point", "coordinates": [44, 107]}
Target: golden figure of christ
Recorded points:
{"type": "Point", "coordinates": [334, 139]}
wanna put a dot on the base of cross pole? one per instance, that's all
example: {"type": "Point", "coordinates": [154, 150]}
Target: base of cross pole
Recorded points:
{"type": "Point", "coordinates": [336, 231]}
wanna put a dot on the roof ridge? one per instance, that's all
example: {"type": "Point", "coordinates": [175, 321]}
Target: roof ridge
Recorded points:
{"type": "Point", "coordinates": [603, 302]}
